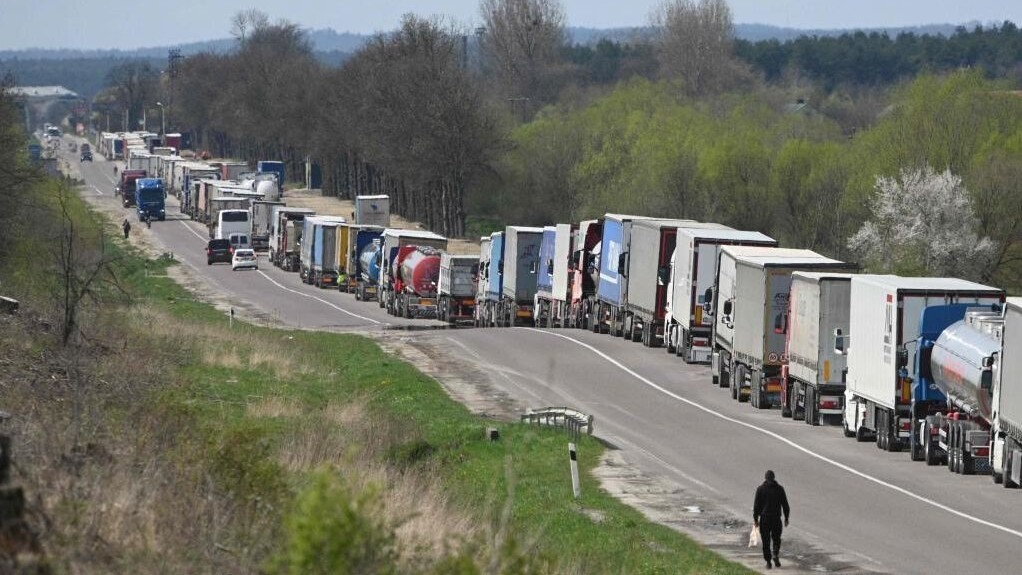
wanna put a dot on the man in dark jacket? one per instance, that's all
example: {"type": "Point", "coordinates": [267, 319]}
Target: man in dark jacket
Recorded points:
{"type": "Point", "coordinates": [771, 501]}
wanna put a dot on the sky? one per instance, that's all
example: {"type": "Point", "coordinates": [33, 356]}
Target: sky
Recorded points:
{"type": "Point", "coordinates": [127, 24]}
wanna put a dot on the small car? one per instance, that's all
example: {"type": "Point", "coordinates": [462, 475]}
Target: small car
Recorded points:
{"type": "Point", "coordinates": [244, 258]}
{"type": "Point", "coordinates": [218, 251]}
{"type": "Point", "coordinates": [86, 156]}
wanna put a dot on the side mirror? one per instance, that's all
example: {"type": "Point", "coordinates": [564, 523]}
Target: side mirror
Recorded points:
{"type": "Point", "coordinates": [781, 323]}
{"type": "Point", "coordinates": [839, 342]}
{"type": "Point", "coordinates": [664, 276]}
{"type": "Point", "coordinates": [622, 261]}
{"type": "Point", "coordinates": [902, 357]}
{"type": "Point", "coordinates": [727, 307]}
{"type": "Point", "coordinates": [533, 267]}
{"type": "Point", "coordinates": [550, 267]}
{"type": "Point", "coordinates": [500, 267]}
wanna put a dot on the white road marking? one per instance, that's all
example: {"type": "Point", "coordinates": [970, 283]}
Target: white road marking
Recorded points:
{"type": "Point", "coordinates": [195, 233]}
{"type": "Point", "coordinates": [321, 300]}
{"type": "Point", "coordinates": [784, 440]}
{"type": "Point", "coordinates": [98, 191]}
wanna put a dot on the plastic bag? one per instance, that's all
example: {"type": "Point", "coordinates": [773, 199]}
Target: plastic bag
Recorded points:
{"type": "Point", "coordinates": [754, 540]}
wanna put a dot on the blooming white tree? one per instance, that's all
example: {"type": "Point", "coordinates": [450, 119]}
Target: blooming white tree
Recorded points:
{"type": "Point", "coordinates": [923, 222]}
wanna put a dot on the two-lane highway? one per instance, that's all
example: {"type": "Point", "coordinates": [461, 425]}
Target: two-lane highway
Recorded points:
{"type": "Point", "coordinates": [878, 510]}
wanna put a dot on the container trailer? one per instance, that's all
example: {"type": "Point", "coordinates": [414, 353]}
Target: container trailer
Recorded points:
{"type": "Point", "coordinates": [688, 330]}
{"type": "Point", "coordinates": [457, 290]}
{"type": "Point", "coordinates": [612, 286]}
{"type": "Point", "coordinates": [553, 281]}
{"type": "Point", "coordinates": [318, 255]}
{"type": "Point", "coordinates": [491, 265]}
{"type": "Point", "coordinates": [1006, 434]}
{"type": "Point", "coordinates": [813, 375]}
{"type": "Point", "coordinates": [521, 264]}
{"type": "Point", "coordinates": [372, 211]}
{"type": "Point", "coordinates": [285, 236]}
{"type": "Point", "coordinates": [483, 284]}
{"type": "Point", "coordinates": [750, 304]}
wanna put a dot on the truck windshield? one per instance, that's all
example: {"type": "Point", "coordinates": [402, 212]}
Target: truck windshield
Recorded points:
{"type": "Point", "coordinates": [151, 194]}
{"type": "Point", "coordinates": [234, 216]}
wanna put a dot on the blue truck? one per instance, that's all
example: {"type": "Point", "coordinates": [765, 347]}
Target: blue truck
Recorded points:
{"type": "Point", "coordinates": [272, 167]}
{"type": "Point", "coordinates": [491, 284]}
{"type": "Point", "coordinates": [612, 287]}
{"type": "Point", "coordinates": [149, 199]}
{"type": "Point", "coordinates": [360, 238]}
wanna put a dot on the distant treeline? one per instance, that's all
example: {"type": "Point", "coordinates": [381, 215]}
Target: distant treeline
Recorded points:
{"type": "Point", "coordinates": [878, 58]}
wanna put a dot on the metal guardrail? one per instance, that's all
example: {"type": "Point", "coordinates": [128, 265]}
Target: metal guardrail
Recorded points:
{"type": "Point", "coordinates": [572, 420]}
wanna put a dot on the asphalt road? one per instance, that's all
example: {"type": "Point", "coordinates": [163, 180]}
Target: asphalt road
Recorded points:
{"type": "Point", "coordinates": [877, 510]}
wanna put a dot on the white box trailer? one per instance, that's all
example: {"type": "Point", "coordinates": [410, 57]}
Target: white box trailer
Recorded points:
{"type": "Point", "coordinates": [484, 279]}
{"type": "Point", "coordinates": [372, 211]}
{"type": "Point", "coordinates": [521, 270]}
{"type": "Point", "coordinates": [1006, 435]}
{"type": "Point", "coordinates": [750, 306]}
{"type": "Point", "coordinates": [688, 329]}
{"type": "Point", "coordinates": [884, 323]}
{"type": "Point", "coordinates": [456, 290]}
{"type": "Point", "coordinates": [813, 377]}
{"type": "Point", "coordinates": [287, 225]}
{"type": "Point", "coordinates": [552, 283]}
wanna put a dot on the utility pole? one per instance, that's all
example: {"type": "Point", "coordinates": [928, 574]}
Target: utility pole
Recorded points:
{"type": "Point", "coordinates": [173, 57]}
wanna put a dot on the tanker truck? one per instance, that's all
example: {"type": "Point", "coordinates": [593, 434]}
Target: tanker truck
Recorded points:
{"type": "Point", "coordinates": [393, 239]}
{"type": "Point", "coordinates": [958, 346]}
{"type": "Point", "coordinates": [886, 321]}
{"type": "Point", "coordinates": [369, 258]}
{"type": "Point", "coordinates": [416, 276]}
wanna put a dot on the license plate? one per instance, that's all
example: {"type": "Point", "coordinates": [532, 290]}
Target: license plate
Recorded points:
{"type": "Point", "coordinates": [425, 302]}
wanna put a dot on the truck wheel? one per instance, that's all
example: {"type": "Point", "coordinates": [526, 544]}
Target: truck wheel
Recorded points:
{"type": "Point", "coordinates": [844, 429]}
{"type": "Point", "coordinates": [725, 378]}
{"type": "Point", "coordinates": [737, 383]}
{"type": "Point", "coordinates": [1006, 463]}
{"type": "Point", "coordinates": [929, 454]}
{"type": "Point", "coordinates": [810, 407]}
{"type": "Point", "coordinates": [797, 391]}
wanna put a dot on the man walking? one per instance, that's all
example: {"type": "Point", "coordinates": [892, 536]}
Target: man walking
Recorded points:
{"type": "Point", "coordinates": [126, 227]}
{"type": "Point", "coordinates": [770, 502]}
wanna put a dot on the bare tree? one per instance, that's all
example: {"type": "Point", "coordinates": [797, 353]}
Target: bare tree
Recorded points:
{"type": "Point", "coordinates": [246, 21]}
{"type": "Point", "coordinates": [522, 43]}
{"type": "Point", "coordinates": [694, 44]}
{"type": "Point", "coordinates": [133, 83]}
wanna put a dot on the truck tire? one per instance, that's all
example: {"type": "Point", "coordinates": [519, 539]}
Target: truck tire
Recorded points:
{"type": "Point", "coordinates": [1006, 463]}
{"type": "Point", "coordinates": [738, 383]}
{"type": "Point", "coordinates": [929, 453]}
{"type": "Point", "coordinates": [811, 409]}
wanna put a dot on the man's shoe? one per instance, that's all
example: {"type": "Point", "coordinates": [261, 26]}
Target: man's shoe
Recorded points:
{"type": "Point", "coordinates": [769, 566]}
{"type": "Point", "coordinates": [777, 562]}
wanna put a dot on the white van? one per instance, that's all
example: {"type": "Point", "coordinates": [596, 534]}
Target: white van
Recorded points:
{"type": "Point", "coordinates": [233, 222]}
{"type": "Point", "coordinates": [239, 241]}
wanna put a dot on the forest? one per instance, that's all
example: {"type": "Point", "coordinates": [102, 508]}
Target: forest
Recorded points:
{"type": "Point", "coordinates": [509, 123]}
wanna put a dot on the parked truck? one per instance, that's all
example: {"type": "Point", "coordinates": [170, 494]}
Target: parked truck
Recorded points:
{"type": "Point", "coordinates": [359, 237]}
{"type": "Point", "coordinates": [612, 286]}
{"type": "Point", "coordinates": [240, 223]}
{"type": "Point", "coordinates": [491, 264]}
{"type": "Point", "coordinates": [521, 264]}
{"type": "Point", "coordinates": [320, 260]}
{"type": "Point", "coordinates": [262, 223]}
{"type": "Point", "coordinates": [646, 277]}
{"type": "Point", "coordinates": [126, 187]}
{"type": "Point", "coordinates": [393, 239]}
{"type": "Point", "coordinates": [553, 281]}
{"type": "Point", "coordinates": [750, 304]}
{"type": "Point", "coordinates": [457, 290]}
{"type": "Point", "coordinates": [149, 199]}
{"type": "Point", "coordinates": [813, 375]}
{"type": "Point", "coordinates": [416, 277]}
{"type": "Point", "coordinates": [1006, 434]}
{"type": "Point", "coordinates": [886, 321]}
{"type": "Point", "coordinates": [372, 211]}
{"type": "Point", "coordinates": [584, 270]}
{"type": "Point", "coordinates": [273, 167]}
{"type": "Point", "coordinates": [286, 235]}
{"type": "Point", "coordinates": [688, 330]}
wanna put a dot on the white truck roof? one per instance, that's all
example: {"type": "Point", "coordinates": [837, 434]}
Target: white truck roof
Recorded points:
{"type": "Point", "coordinates": [761, 256]}
{"type": "Point", "coordinates": [817, 276]}
{"type": "Point", "coordinates": [922, 283]}
{"type": "Point", "coordinates": [726, 234]}
{"type": "Point", "coordinates": [525, 229]}
{"type": "Point", "coordinates": [402, 233]}
{"type": "Point", "coordinates": [326, 220]}
{"type": "Point", "coordinates": [1015, 302]}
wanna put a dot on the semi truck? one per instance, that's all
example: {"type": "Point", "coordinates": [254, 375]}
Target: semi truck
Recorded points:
{"type": "Point", "coordinates": [369, 259]}
{"type": "Point", "coordinates": [813, 375]}
{"type": "Point", "coordinates": [359, 237]}
{"type": "Point", "coordinates": [393, 239]}
{"type": "Point", "coordinates": [491, 265]}
{"type": "Point", "coordinates": [885, 323]}
{"type": "Point", "coordinates": [216, 205]}
{"type": "Point", "coordinates": [483, 285]}
{"type": "Point", "coordinates": [750, 303]}
{"type": "Point", "coordinates": [612, 286]}
{"type": "Point", "coordinates": [1006, 435]}
{"type": "Point", "coordinates": [273, 167]}
{"type": "Point", "coordinates": [521, 264]}
{"type": "Point", "coordinates": [286, 235]}
{"type": "Point", "coordinates": [126, 187]}
{"type": "Point", "coordinates": [553, 281]}
{"type": "Point", "coordinates": [372, 211]}
{"type": "Point", "coordinates": [416, 276]}
{"type": "Point", "coordinates": [584, 270]}
{"type": "Point", "coordinates": [688, 330]}
{"type": "Point", "coordinates": [647, 273]}
{"type": "Point", "coordinates": [318, 255]}
{"type": "Point", "coordinates": [149, 199]}
{"type": "Point", "coordinates": [457, 290]}
{"type": "Point", "coordinates": [262, 223]}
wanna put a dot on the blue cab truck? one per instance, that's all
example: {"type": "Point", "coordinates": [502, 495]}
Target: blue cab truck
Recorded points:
{"type": "Point", "coordinates": [272, 167]}
{"type": "Point", "coordinates": [359, 237]}
{"type": "Point", "coordinates": [491, 269]}
{"type": "Point", "coordinates": [612, 287]}
{"type": "Point", "coordinates": [150, 198]}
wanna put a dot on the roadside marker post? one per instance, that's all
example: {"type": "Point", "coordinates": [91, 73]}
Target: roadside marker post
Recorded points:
{"type": "Point", "coordinates": [576, 489]}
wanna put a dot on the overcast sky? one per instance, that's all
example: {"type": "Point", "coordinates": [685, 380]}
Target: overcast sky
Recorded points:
{"type": "Point", "coordinates": [145, 23]}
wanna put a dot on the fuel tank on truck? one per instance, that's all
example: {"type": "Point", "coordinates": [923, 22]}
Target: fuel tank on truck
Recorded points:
{"type": "Point", "coordinates": [420, 269]}
{"type": "Point", "coordinates": [370, 260]}
{"type": "Point", "coordinates": [961, 363]}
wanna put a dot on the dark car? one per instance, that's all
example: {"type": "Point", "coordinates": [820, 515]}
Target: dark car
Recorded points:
{"type": "Point", "coordinates": [86, 156]}
{"type": "Point", "coordinates": [219, 251]}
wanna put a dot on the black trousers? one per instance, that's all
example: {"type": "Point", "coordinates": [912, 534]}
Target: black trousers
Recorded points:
{"type": "Point", "coordinates": [770, 533]}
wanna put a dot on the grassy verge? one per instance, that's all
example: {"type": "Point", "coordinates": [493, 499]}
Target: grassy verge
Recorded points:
{"type": "Point", "coordinates": [290, 451]}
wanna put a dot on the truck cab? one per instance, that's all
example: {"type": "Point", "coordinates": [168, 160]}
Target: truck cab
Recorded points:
{"type": "Point", "coordinates": [149, 199]}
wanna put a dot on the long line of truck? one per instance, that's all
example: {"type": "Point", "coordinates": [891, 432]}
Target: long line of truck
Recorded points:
{"type": "Point", "coordinates": [932, 366]}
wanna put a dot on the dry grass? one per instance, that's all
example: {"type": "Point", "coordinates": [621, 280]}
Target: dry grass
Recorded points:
{"type": "Point", "coordinates": [273, 406]}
